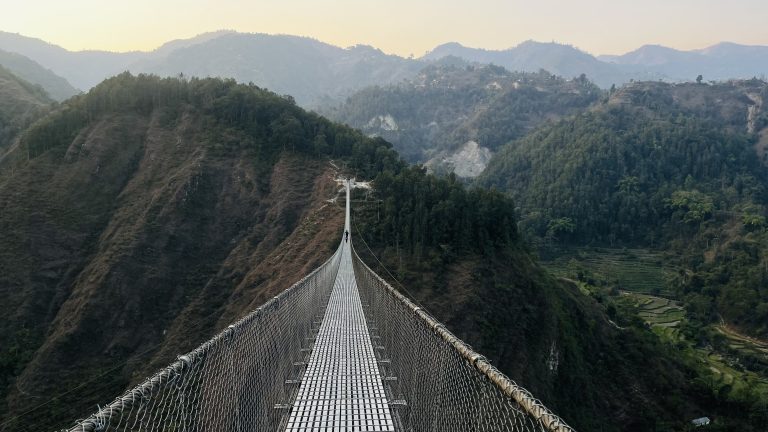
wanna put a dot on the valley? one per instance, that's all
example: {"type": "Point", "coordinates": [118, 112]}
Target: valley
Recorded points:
{"type": "Point", "coordinates": [593, 225]}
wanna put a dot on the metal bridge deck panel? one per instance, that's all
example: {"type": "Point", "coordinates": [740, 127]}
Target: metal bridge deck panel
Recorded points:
{"type": "Point", "coordinates": [342, 390]}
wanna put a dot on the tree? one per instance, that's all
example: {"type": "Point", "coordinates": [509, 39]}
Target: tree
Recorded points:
{"type": "Point", "coordinates": [695, 206]}
{"type": "Point", "coordinates": [699, 78]}
{"type": "Point", "coordinates": [629, 185]}
{"type": "Point", "coordinates": [557, 226]}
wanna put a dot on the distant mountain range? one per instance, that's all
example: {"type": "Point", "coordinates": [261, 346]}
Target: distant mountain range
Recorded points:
{"type": "Point", "coordinates": [651, 62]}
{"type": "Point", "coordinates": [719, 62]}
{"type": "Point", "coordinates": [530, 56]}
{"type": "Point", "coordinates": [314, 72]}
{"type": "Point", "coordinates": [23, 67]}
{"type": "Point", "coordinates": [307, 69]}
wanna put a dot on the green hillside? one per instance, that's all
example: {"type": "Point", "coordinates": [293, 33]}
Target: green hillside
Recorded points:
{"type": "Point", "coordinates": [662, 166]}
{"type": "Point", "coordinates": [448, 104]}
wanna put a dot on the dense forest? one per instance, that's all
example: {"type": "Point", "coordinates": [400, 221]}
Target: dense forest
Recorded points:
{"type": "Point", "coordinates": [543, 332]}
{"type": "Point", "coordinates": [450, 103]}
{"type": "Point", "coordinates": [657, 166]}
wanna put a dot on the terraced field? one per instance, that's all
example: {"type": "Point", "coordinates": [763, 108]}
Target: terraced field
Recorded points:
{"type": "Point", "coordinates": [656, 311]}
{"type": "Point", "coordinates": [637, 270]}
{"type": "Point", "coordinates": [744, 344]}
{"type": "Point", "coordinates": [725, 373]}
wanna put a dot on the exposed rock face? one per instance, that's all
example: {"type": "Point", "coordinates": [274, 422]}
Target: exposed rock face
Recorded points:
{"type": "Point", "coordinates": [468, 161]}
{"type": "Point", "coordinates": [384, 122]}
{"type": "Point", "coordinates": [753, 111]}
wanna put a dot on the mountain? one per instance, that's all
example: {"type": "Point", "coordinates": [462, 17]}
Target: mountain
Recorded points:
{"type": "Point", "coordinates": [57, 87]}
{"type": "Point", "coordinates": [454, 116]}
{"type": "Point", "coordinates": [530, 56]}
{"type": "Point", "coordinates": [141, 218]}
{"type": "Point", "coordinates": [316, 73]}
{"type": "Point", "coordinates": [650, 55]}
{"type": "Point", "coordinates": [459, 254]}
{"type": "Point", "coordinates": [722, 61]}
{"type": "Point", "coordinates": [304, 68]}
{"type": "Point", "coordinates": [173, 45]}
{"type": "Point", "coordinates": [20, 104]}
{"type": "Point", "coordinates": [658, 165]}
{"type": "Point", "coordinates": [83, 69]}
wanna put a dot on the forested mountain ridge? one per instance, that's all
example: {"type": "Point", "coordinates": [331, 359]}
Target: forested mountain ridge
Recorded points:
{"type": "Point", "coordinates": [545, 333]}
{"type": "Point", "coordinates": [20, 104]}
{"type": "Point", "coordinates": [658, 165]}
{"type": "Point", "coordinates": [141, 218]}
{"type": "Point", "coordinates": [447, 106]}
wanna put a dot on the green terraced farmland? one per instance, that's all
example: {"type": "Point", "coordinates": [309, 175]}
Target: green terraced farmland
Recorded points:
{"type": "Point", "coordinates": [656, 311]}
{"type": "Point", "coordinates": [637, 270]}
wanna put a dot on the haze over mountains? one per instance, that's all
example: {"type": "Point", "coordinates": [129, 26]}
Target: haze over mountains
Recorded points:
{"type": "Point", "coordinates": [57, 87]}
{"type": "Point", "coordinates": [718, 62]}
{"type": "Point", "coordinates": [142, 217]}
{"type": "Point", "coordinates": [312, 71]}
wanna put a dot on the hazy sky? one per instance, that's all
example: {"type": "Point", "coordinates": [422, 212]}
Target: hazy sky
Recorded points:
{"type": "Point", "coordinates": [396, 26]}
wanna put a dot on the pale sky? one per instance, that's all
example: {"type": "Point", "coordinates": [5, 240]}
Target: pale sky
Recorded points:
{"type": "Point", "coordinates": [396, 26]}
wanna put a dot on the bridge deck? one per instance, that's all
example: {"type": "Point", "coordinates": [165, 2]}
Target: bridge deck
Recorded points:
{"type": "Point", "coordinates": [342, 389]}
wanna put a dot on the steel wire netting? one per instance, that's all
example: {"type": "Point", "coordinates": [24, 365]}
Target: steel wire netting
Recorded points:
{"type": "Point", "coordinates": [437, 382]}
{"type": "Point", "coordinates": [237, 381]}
{"type": "Point", "coordinates": [246, 377]}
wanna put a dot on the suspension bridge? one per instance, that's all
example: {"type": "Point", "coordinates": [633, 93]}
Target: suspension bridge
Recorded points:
{"type": "Point", "coordinates": [340, 350]}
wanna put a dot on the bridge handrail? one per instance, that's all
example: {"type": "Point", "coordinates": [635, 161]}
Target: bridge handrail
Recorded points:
{"type": "Point", "coordinates": [99, 419]}
{"type": "Point", "coordinates": [511, 389]}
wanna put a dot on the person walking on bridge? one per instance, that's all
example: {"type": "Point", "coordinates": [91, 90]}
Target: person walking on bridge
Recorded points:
{"type": "Point", "coordinates": [346, 236]}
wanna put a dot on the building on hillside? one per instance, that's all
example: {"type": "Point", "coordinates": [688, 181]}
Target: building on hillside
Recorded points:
{"type": "Point", "coordinates": [701, 421]}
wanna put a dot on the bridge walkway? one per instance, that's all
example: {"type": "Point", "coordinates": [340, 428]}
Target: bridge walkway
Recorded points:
{"type": "Point", "coordinates": [342, 388]}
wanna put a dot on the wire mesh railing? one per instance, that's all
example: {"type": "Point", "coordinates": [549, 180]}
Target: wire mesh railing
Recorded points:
{"type": "Point", "coordinates": [245, 378]}
{"type": "Point", "coordinates": [236, 381]}
{"type": "Point", "coordinates": [439, 383]}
